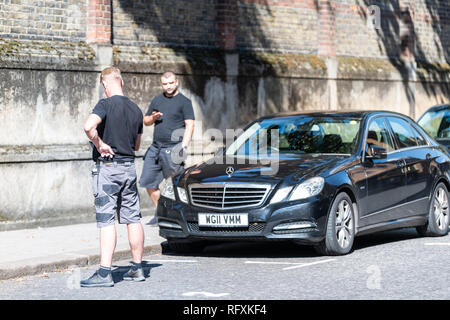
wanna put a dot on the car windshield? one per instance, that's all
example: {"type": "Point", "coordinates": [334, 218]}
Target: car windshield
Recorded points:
{"type": "Point", "coordinates": [297, 135]}
{"type": "Point", "coordinates": [436, 123]}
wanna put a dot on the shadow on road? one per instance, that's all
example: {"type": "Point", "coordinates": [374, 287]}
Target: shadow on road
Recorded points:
{"type": "Point", "coordinates": [287, 249]}
{"type": "Point", "coordinates": [119, 271]}
{"type": "Point", "coordinates": [384, 237]}
{"type": "Point", "coordinates": [278, 249]}
{"type": "Point", "coordinates": [247, 249]}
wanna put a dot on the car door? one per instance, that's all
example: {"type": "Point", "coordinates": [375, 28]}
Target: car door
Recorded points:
{"type": "Point", "coordinates": [414, 149]}
{"type": "Point", "coordinates": [385, 178]}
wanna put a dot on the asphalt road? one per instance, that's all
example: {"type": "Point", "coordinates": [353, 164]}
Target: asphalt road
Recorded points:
{"type": "Point", "coordinates": [388, 266]}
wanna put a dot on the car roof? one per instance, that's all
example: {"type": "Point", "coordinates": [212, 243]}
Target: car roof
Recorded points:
{"type": "Point", "coordinates": [332, 113]}
{"type": "Point", "coordinates": [438, 107]}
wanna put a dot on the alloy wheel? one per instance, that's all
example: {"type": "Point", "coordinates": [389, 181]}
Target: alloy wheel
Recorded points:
{"type": "Point", "coordinates": [344, 224]}
{"type": "Point", "coordinates": [440, 208]}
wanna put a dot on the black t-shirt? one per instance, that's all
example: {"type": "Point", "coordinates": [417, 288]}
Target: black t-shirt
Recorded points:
{"type": "Point", "coordinates": [122, 121]}
{"type": "Point", "coordinates": [169, 129]}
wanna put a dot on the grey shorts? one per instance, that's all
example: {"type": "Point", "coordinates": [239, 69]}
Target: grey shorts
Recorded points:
{"type": "Point", "coordinates": [159, 164]}
{"type": "Point", "coordinates": [115, 192]}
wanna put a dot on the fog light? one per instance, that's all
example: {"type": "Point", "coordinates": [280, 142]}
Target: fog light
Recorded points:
{"type": "Point", "coordinates": [295, 225]}
{"type": "Point", "coordinates": [170, 225]}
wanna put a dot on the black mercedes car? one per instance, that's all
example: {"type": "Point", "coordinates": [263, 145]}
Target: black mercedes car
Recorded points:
{"type": "Point", "coordinates": [318, 178]}
{"type": "Point", "coordinates": [436, 122]}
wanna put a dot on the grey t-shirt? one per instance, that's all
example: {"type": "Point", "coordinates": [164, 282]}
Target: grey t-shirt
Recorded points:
{"type": "Point", "coordinates": [169, 129]}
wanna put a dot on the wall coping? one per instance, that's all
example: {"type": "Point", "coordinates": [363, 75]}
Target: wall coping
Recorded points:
{"type": "Point", "coordinates": [80, 56]}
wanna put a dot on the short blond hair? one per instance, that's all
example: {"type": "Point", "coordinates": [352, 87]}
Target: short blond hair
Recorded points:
{"type": "Point", "coordinates": [110, 71]}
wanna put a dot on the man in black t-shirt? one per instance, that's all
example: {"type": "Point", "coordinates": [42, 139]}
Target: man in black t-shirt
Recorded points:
{"type": "Point", "coordinates": [173, 116]}
{"type": "Point", "coordinates": [115, 129]}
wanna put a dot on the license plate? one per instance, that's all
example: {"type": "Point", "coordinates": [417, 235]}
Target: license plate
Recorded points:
{"type": "Point", "coordinates": [223, 220]}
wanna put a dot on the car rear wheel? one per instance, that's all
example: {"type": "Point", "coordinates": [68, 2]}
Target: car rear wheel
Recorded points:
{"type": "Point", "coordinates": [340, 231]}
{"type": "Point", "coordinates": [438, 216]}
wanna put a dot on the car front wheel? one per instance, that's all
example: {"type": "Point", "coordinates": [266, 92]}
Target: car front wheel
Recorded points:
{"type": "Point", "coordinates": [438, 215]}
{"type": "Point", "coordinates": [340, 231]}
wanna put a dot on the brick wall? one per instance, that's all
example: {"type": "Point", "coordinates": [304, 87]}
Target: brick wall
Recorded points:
{"type": "Point", "coordinates": [99, 21]}
{"type": "Point", "coordinates": [165, 23]}
{"type": "Point", "coordinates": [227, 22]}
{"type": "Point", "coordinates": [432, 29]}
{"type": "Point", "coordinates": [283, 26]}
{"type": "Point", "coordinates": [339, 27]}
{"type": "Point", "coordinates": [323, 27]}
{"type": "Point", "coordinates": [43, 20]}
{"type": "Point", "coordinates": [423, 25]}
{"type": "Point", "coordinates": [354, 27]}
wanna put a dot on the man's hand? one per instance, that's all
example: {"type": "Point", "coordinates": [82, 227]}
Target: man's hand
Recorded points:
{"type": "Point", "coordinates": [90, 128]}
{"type": "Point", "coordinates": [151, 119]}
{"type": "Point", "coordinates": [105, 150]}
{"type": "Point", "coordinates": [156, 115]}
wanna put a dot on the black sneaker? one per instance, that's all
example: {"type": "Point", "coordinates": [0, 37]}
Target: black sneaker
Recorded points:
{"type": "Point", "coordinates": [137, 275]}
{"type": "Point", "coordinates": [98, 281]}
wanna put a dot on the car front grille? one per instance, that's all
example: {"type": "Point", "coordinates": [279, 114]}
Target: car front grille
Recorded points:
{"type": "Point", "coordinates": [227, 195]}
{"type": "Point", "coordinates": [252, 228]}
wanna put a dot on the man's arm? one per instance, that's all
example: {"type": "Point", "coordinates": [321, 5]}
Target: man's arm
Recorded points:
{"type": "Point", "coordinates": [189, 123]}
{"type": "Point", "coordinates": [138, 142]}
{"type": "Point", "coordinates": [151, 119]}
{"type": "Point", "coordinates": [90, 128]}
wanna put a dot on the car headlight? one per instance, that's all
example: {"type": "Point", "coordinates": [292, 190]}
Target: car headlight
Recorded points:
{"type": "Point", "coordinates": [281, 194]}
{"type": "Point", "coordinates": [182, 195]}
{"type": "Point", "coordinates": [167, 190]}
{"type": "Point", "coordinates": [309, 188]}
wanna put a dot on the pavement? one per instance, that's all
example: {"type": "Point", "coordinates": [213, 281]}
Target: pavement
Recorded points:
{"type": "Point", "coordinates": [35, 251]}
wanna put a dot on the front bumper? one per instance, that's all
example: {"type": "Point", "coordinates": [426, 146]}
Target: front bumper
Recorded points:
{"type": "Point", "coordinates": [180, 221]}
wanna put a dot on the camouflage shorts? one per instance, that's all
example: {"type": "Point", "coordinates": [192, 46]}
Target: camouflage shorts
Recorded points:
{"type": "Point", "coordinates": [115, 192]}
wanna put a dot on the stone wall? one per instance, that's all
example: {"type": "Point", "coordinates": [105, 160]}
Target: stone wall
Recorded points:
{"type": "Point", "coordinates": [236, 60]}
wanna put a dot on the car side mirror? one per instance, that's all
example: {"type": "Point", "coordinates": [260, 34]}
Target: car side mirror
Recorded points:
{"type": "Point", "coordinates": [377, 152]}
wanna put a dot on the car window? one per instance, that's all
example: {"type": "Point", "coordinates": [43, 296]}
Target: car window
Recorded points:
{"type": "Point", "coordinates": [402, 132]}
{"type": "Point", "coordinates": [378, 134]}
{"type": "Point", "coordinates": [444, 128]}
{"type": "Point", "coordinates": [419, 138]}
{"type": "Point", "coordinates": [436, 123]}
{"type": "Point", "coordinates": [298, 135]}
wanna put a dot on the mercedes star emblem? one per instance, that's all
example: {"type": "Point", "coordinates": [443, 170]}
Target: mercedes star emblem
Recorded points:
{"type": "Point", "coordinates": [229, 171]}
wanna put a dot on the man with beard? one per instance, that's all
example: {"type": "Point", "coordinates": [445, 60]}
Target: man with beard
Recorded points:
{"type": "Point", "coordinates": [173, 116]}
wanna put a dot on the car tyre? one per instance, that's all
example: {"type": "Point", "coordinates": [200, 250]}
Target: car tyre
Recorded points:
{"type": "Point", "coordinates": [340, 231]}
{"type": "Point", "coordinates": [438, 214]}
